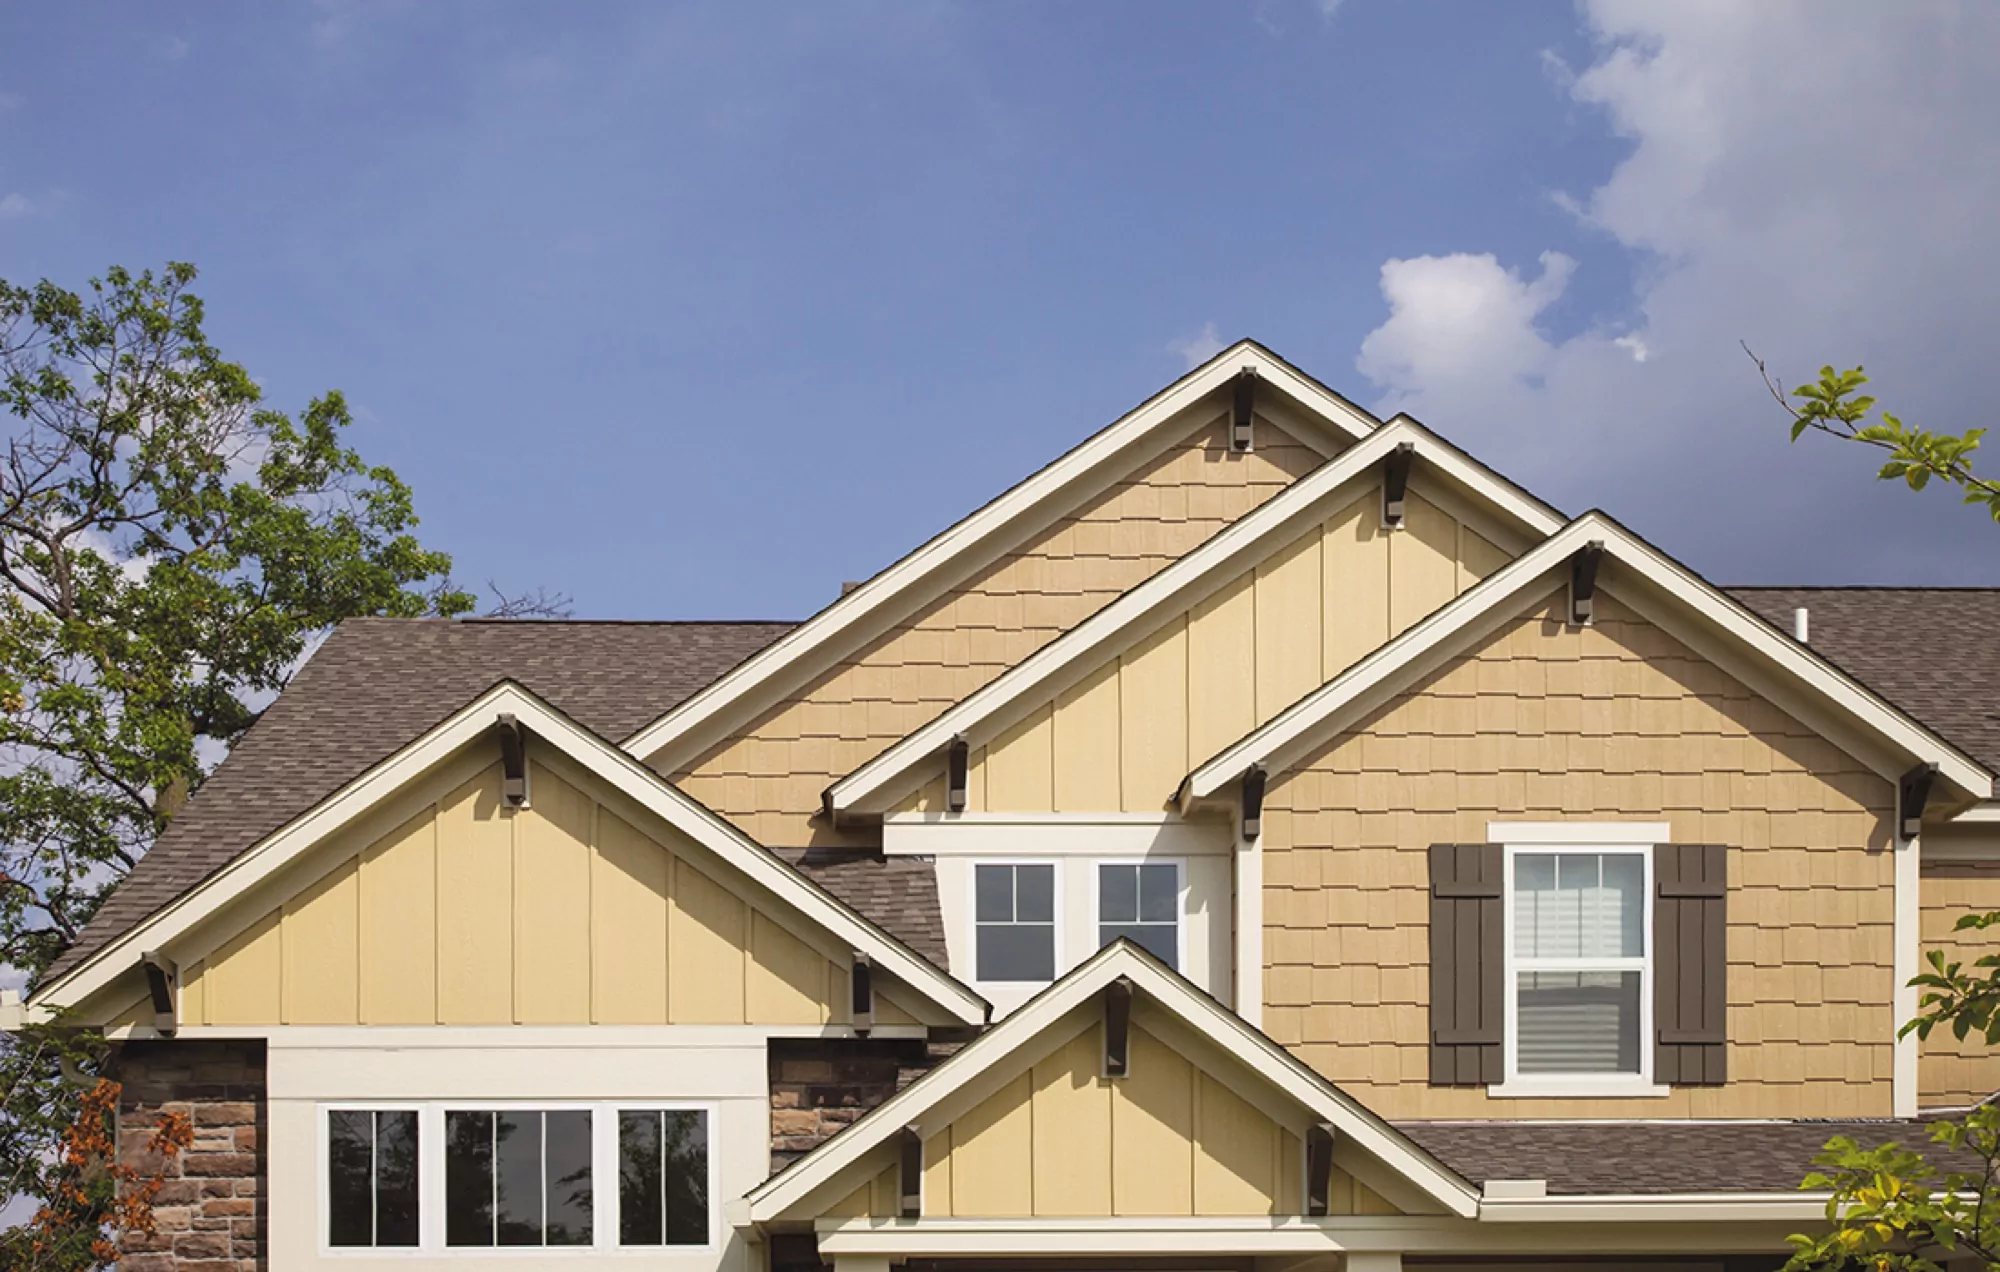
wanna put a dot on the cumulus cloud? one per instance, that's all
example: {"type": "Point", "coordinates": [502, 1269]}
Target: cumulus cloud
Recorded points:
{"type": "Point", "coordinates": [1841, 207]}
{"type": "Point", "coordinates": [15, 205]}
{"type": "Point", "coordinates": [1197, 348]}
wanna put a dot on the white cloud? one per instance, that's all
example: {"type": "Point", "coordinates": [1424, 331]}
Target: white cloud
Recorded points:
{"type": "Point", "coordinates": [1197, 348]}
{"type": "Point", "coordinates": [15, 205]}
{"type": "Point", "coordinates": [1842, 207]}
{"type": "Point", "coordinates": [176, 49]}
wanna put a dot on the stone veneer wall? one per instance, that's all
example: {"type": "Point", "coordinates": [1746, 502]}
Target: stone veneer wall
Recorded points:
{"type": "Point", "coordinates": [821, 1085]}
{"type": "Point", "coordinates": [211, 1215]}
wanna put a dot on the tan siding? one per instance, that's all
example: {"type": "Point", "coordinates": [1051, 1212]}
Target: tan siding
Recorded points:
{"type": "Point", "coordinates": [1951, 1073]}
{"type": "Point", "coordinates": [1545, 722]}
{"type": "Point", "coordinates": [1122, 738]}
{"type": "Point", "coordinates": [1062, 1140]}
{"type": "Point", "coordinates": [768, 780]}
{"type": "Point", "coordinates": [561, 913]}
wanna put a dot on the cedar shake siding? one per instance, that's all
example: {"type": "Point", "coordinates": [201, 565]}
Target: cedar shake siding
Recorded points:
{"type": "Point", "coordinates": [1618, 721]}
{"type": "Point", "coordinates": [1951, 1073]}
{"type": "Point", "coordinates": [768, 779]}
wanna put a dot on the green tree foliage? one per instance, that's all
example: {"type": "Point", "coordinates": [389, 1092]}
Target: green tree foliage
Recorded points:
{"type": "Point", "coordinates": [1891, 1206]}
{"type": "Point", "coordinates": [170, 549]}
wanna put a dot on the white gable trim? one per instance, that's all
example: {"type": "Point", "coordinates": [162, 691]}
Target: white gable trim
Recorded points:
{"type": "Point", "coordinates": [1178, 586]}
{"type": "Point", "coordinates": [1351, 1120]}
{"type": "Point", "coordinates": [579, 745]}
{"type": "Point", "coordinates": [687, 728]}
{"type": "Point", "coordinates": [1757, 648]}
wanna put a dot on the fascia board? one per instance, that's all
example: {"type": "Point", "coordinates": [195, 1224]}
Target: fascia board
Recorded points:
{"type": "Point", "coordinates": [615, 767]}
{"type": "Point", "coordinates": [1279, 742]}
{"type": "Point", "coordinates": [696, 717]}
{"type": "Point", "coordinates": [1225, 552]}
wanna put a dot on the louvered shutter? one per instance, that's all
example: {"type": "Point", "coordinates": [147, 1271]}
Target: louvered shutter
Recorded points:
{"type": "Point", "coordinates": [1690, 965]}
{"type": "Point", "coordinates": [1468, 1008]}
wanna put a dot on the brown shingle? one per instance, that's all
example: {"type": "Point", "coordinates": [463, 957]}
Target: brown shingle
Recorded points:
{"type": "Point", "coordinates": [1585, 1158]}
{"type": "Point", "coordinates": [1933, 651]}
{"type": "Point", "coordinates": [375, 686]}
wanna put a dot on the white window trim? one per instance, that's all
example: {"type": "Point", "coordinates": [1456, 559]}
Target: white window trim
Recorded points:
{"type": "Point", "coordinates": [1056, 921]}
{"type": "Point", "coordinates": [1180, 901]}
{"type": "Point", "coordinates": [603, 1182]}
{"type": "Point", "coordinates": [1578, 839]}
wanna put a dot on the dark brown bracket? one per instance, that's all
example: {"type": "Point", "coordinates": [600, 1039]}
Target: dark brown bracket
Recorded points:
{"type": "Point", "coordinates": [861, 984]}
{"type": "Point", "coordinates": [163, 984]}
{"type": "Point", "coordinates": [513, 761]}
{"type": "Point", "coordinates": [957, 767]}
{"type": "Point", "coordinates": [1913, 794]}
{"type": "Point", "coordinates": [1583, 582]}
{"type": "Point", "coordinates": [1253, 802]}
{"type": "Point", "coordinates": [1242, 411]}
{"type": "Point", "coordinates": [1118, 1028]}
{"type": "Point", "coordinates": [1396, 482]}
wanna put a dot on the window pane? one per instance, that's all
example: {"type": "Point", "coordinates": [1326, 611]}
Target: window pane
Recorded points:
{"type": "Point", "coordinates": [350, 1186]}
{"type": "Point", "coordinates": [993, 889]}
{"type": "Point", "coordinates": [641, 1182]}
{"type": "Point", "coordinates": [1159, 893]}
{"type": "Point", "coordinates": [517, 1200]}
{"type": "Point", "coordinates": [1035, 894]}
{"type": "Point", "coordinates": [568, 1176]}
{"type": "Point", "coordinates": [686, 1142]}
{"type": "Point", "coordinates": [468, 1179]}
{"type": "Point", "coordinates": [1579, 905]}
{"type": "Point", "coordinates": [1578, 1022]}
{"type": "Point", "coordinates": [1118, 894]}
{"type": "Point", "coordinates": [396, 1178]}
{"type": "Point", "coordinates": [1162, 939]}
{"type": "Point", "coordinates": [1017, 952]}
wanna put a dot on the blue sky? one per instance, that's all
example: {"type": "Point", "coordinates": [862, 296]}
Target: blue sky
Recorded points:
{"type": "Point", "coordinates": [695, 312]}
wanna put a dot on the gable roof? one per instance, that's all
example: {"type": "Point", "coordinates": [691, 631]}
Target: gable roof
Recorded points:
{"type": "Point", "coordinates": [374, 686]}
{"type": "Point", "coordinates": [1166, 988]}
{"type": "Point", "coordinates": [1139, 611]}
{"type": "Point", "coordinates": [1634, 567]}
{"type": "Point", "coordinates": [684, 731]}
{"type": "Point", "coordinates": [1934, 651]}
{"type": "Point", "coordinates": [591, 752]}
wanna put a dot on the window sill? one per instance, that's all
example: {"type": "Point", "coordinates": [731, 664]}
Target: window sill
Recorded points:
{"type": "Point", "coordinates": [1578, 1089]}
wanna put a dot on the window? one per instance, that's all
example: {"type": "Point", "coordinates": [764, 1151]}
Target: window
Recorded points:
{"type": "Point", "coordinates": [1014, 921]}
{"type": "Point", "coordinates": [662, 1177]}
{"type": "Point", "coordinates": [517, 1177]}
{"type": "Point", "coordinates": [371, 1159]}
{"type": "Point", "coordinates": [1579, 979]}
{"type": "Point", "coordinates": [1141, 901]}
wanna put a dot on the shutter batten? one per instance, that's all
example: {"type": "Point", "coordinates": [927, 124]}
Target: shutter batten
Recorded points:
{"type": "Point", "coordinates": [1690, 964]}
{"type": "Point", "coordinates": [1468, 1005]}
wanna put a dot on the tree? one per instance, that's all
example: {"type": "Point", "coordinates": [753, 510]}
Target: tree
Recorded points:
{"type": "Point", "coordinates": [1891, 1206]}
{"type": "Point", "coordinates": [171, 547]}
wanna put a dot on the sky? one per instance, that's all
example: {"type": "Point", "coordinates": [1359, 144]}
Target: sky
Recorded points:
{"type": "Point", "coordinates": [696, 311]}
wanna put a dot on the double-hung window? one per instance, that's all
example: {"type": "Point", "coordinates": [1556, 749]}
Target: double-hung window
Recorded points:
{"type": "Point", "coordinates": [1141, 901]}
{"type": "Point", "coordinates": [1014, 921]}
{"type": "Point", "coordinates": [371, 1178]}
{"type": "Point", "coordinates": [1579, 982]}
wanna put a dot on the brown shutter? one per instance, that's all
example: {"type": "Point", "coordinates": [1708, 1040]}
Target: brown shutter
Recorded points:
{"type": "Point", "coordinates": [1690, 964]}
{"type": "Point", "coordinates": [1467, 1001]}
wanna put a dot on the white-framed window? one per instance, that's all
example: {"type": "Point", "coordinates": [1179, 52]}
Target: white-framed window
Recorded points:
{"type": "Point", "coordinates": [372, 1157]}
{"type": "Point", "coordinates": [1014, 921]}
{"type": "Point", "coordinates": [1579, 975]}
{"type": "Point", "coordinates": [465, 1178]}
{"type": "Point", "coordinates": [1141, 901]}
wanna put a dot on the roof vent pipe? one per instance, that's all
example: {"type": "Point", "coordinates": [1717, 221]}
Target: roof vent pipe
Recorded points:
{"type": "Point", "coordinates": [1802, 625]}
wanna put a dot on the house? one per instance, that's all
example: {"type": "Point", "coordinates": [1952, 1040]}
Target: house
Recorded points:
{"type": "Point", "coordinates": [1264, 839]}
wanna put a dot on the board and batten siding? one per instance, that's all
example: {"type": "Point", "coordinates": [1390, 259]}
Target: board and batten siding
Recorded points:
{"type": "Point", "coordinates": [1951, 1073]}
{"type": "Point", "coordinates": [1061, 1140]}
{"type": "Point", "coordinates": [564, 912]}
{"type": "Point", "coordinates": [1121, 739]}
{"type": "Point", "coordinates": [768, 778]}
{"type": "Point", "coordinates": [1619, 721]}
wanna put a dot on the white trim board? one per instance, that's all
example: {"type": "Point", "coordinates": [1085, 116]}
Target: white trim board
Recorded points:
{"type": "Point", "coordinates": [989, 710]}
{"type": "Point", "coordinates": [776, 1197]}
{"type": "Point", "coordinates": [701, 721]}
{"type": "Point", "coordinates": [1768, 660]}
{"type": "Point", "coordinates": [550, 728]}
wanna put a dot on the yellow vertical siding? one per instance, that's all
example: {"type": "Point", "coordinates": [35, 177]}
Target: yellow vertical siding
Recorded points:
{"type": "Point", "coordinates": [562, 913]}
{"type": "Point", "coordinates": [1618, 721]}
{"type": "Point", "coordinates": [1072, 1128]}
{"type": "Point", "coordinates": [1121, 739]}
{"type": "Point", "coordinates": [1152, 1132]}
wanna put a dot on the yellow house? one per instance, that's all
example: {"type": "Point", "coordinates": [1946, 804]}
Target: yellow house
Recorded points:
{"type": "Point", "coordinates": [1265, 839]}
